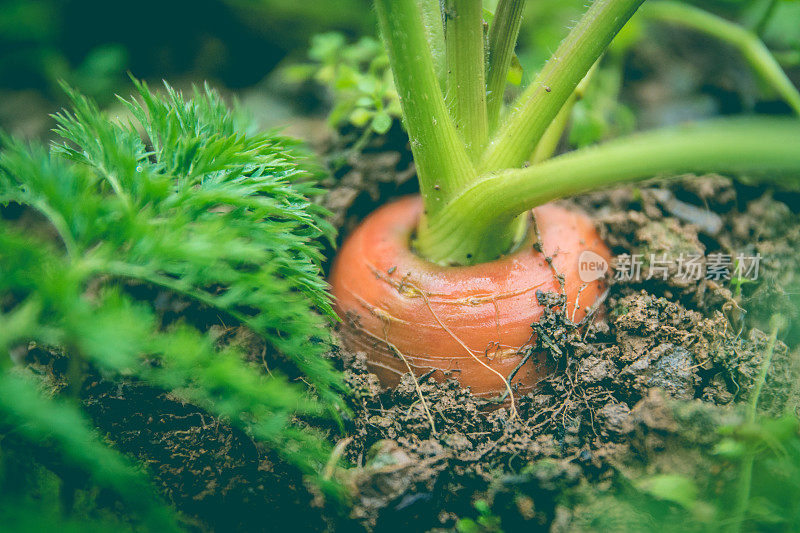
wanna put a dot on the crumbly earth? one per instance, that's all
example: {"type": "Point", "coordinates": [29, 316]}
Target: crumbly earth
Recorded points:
{"type": "Point", "coordinates": [643, 388]}
{"type": "Point", "coordinates": [640, 389]}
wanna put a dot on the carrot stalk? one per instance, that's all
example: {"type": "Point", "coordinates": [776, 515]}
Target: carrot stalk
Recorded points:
{"type": "Point", "coordinates": [766, 146]}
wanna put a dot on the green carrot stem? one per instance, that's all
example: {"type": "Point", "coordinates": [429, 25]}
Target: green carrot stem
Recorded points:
{"type": "Point", "coordinates": [443, 166]}
{"type": "Point", "coordinates": [539, 104]}
{"type": "Point", "coordinates": [547, 145]}
{"type": "Point", "coordinates": [434, 31]}
{"type": "Point", "coordinates": [478, 224]}
{"type": "Point", "coordinates": [746, 475]}
{"type": "Point", "coordinates": [502, 41]}
{"type": "Point", "coordinates": [466, 82]}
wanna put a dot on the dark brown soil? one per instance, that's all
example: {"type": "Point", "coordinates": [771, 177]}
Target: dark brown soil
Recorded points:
{"type": "Point", "coordinates": [642, 388]}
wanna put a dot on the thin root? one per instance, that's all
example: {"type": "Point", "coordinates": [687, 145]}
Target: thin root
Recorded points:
{"type": "Point", "coordinates": [466, 348]}
{"type": "Point", "coordinates": [337, 452]}
{"type": "Point", "coordinates": [413, 377]}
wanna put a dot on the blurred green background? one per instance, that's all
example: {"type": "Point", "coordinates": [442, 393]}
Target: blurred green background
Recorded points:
{"type": "Point", "coordinates": [237, 44]}
{"type": "Point", "coordinates": [91, 44]}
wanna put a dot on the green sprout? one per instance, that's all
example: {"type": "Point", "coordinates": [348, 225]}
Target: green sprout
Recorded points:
{"type": "Point", "coordinates": [358, 75]}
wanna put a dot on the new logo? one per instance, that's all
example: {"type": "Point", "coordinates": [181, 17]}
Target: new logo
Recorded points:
{"type": "Point", "coordinates": [591, 266]}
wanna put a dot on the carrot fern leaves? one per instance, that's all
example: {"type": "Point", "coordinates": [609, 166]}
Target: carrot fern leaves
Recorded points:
{"type": "Point", "coordinates": [182, 196]}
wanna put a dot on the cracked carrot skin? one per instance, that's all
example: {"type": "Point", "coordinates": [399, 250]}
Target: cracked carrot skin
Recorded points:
{"type": "Point", "coordinates": [453, 318]}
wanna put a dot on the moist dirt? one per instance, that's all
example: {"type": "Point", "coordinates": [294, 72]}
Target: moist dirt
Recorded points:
{"type": "Point", "coordinates": [641, 388]}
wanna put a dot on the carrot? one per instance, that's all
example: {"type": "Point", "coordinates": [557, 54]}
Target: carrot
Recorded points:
{"type": "Point", "coordinates": [438, 283]}
{"type": "Point", "coordinates": [456, 321]}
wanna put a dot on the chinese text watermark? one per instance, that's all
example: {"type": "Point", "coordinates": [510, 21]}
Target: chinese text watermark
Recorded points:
{"type": "Point", "coordinates": [683, 267]}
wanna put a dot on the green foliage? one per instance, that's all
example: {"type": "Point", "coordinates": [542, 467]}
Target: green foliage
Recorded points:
{"type": "Point", "coordinates": [363, 93]}
{"type": "Point", "coordinates": [670, 487]}
{"type": "Point", "coordinates": [181, 197]}
{"type": "Point", "coordinates": [33, 54]}
{"type": "Point", "coordinates": [359, 78]}
{"type": "Point", "coordinates": [291, 23]}
{"type": "Point", "coordinates": [600, 115]}
{"type": "Point", "coordinates": [91, 44]}
{"type": "Point", "coordinates": [364, 96]}
{"type": "Point", "coordinates": [782, 31]}
{"type": "Point", "coordinates": [486, 522]}
{"type": "Point", "coordinates": [708, 500]}
{"type": "Point", "coordinates": [544, 25]}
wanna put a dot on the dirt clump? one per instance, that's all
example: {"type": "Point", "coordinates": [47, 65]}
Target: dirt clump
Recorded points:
{"type": "Point", "coordinates": [622, 379]}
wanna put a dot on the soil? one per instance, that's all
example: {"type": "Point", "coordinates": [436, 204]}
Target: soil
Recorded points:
{"type": "Point", "coordinates": [641, 388]}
